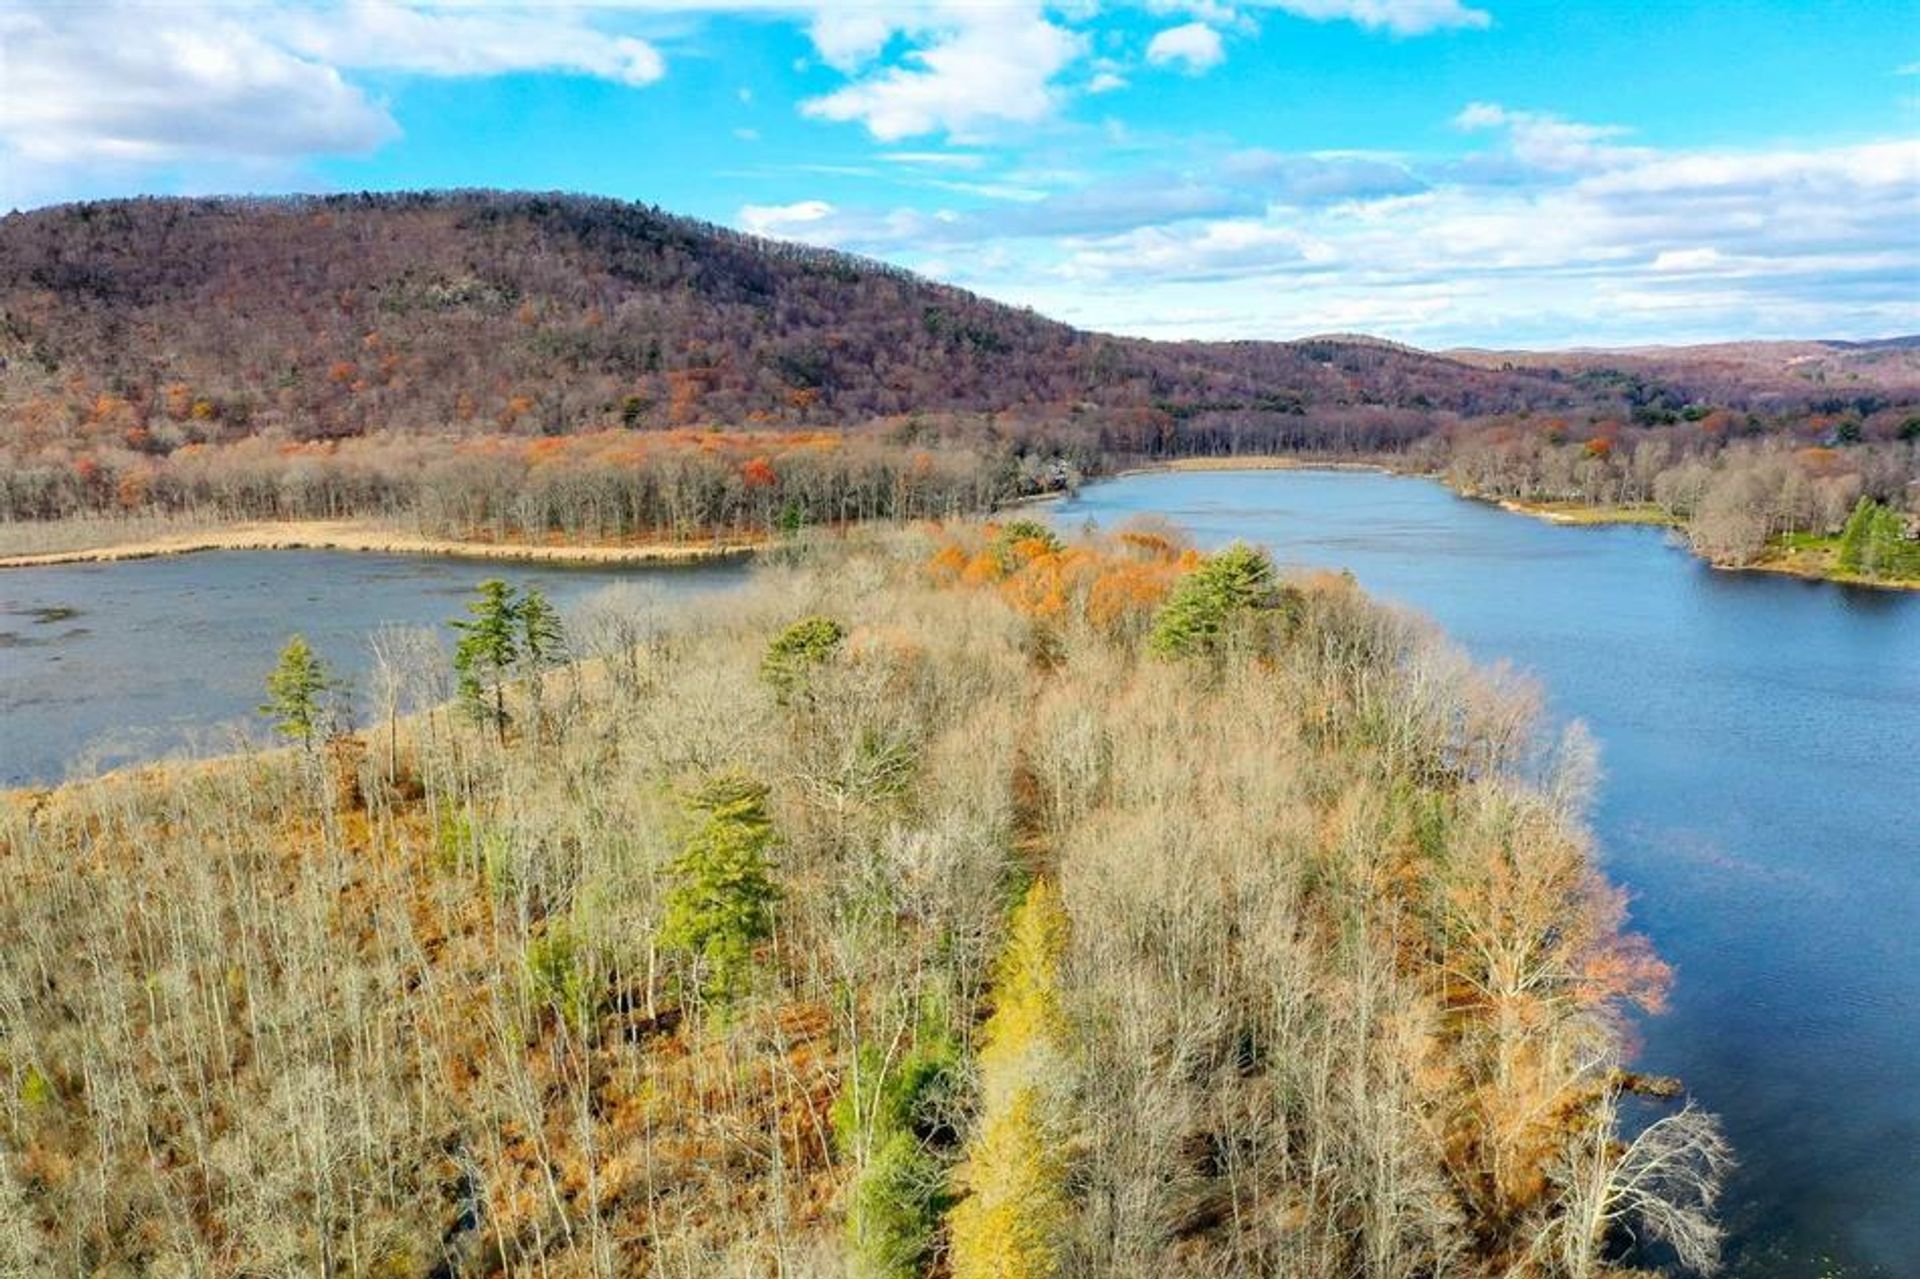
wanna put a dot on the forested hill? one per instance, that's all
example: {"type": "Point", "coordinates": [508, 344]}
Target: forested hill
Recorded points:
{"type": "Point", "coordinates": [158, 322]}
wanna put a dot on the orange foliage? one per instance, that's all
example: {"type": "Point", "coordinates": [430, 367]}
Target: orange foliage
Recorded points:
{"type": "Point", "coordinates": [1820, 461]}
{"type": "Point", "coordinates": [757, 473]}
{"type": "Point", "coordinates": [1125, 590]}
{"type": "Point", "coordinates": [948, 564]}
{"type": "Point", "coordinates": [1110, 583]}
{"type": "Point", "coordinates": [131, 491]}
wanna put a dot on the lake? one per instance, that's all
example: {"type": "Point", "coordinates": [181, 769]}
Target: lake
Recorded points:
{"type": "Point", "coordinates": [1761, 741]}
{"type": "Point", "coordinates": [108, 664]}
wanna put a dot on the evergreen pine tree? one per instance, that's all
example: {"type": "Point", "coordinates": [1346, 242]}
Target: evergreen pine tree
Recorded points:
{"type": "Point", "coordinates": [721, 901]}
{"type": "Point", "coordinates": [296, 692]}
{"type": "Point", "coordinates": [542, 639]}
{"type": "Point", "coordinates": [1853, 538]}
{"type": "Point", "coordinates": [490, 644]}
{"type": "Point", "coordinates": [1198, 615]}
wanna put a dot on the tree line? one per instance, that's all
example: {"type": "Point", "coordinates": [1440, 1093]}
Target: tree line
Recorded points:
{"type": "Point", "coordinates": [1740, 487]}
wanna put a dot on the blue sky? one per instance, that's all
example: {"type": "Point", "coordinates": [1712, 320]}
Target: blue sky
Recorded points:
{"type": "Point", "coordinates": [1444, 172]}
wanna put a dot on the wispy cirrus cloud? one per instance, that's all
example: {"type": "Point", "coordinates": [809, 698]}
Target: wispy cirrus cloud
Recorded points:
{"type": "Point", "coordinates": [1564, 234]}
{"type": "Point", "coordinates": [1399, 17]}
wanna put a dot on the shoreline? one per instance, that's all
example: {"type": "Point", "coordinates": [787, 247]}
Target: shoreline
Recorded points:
{"type": "Point", "coordinates": [1785, 563]}
{"type": "Point", "coordinates": [1564, 514]}
{"type": "Point", "coordinates": [372, 539]}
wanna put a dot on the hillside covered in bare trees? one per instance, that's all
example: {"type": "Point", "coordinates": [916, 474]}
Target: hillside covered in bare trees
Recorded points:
{"type": "Point", "coordinates": [535, 366]}
{"type": "Point", "coordinates": [335, 317]}
{"type": "Point", "coordinates": [955, 902]}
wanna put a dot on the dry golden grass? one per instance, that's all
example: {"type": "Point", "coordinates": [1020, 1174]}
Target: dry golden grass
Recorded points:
{"type": "Point", "coordinates": [104, 541]}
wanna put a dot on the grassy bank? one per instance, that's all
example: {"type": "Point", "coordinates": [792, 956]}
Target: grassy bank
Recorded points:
{"type": "Point", "coordinates": [104, 541]}
{"type": "Point", "coordinates": [951, 902]}
{"type": "Point", "coordinates": [1808, 555]}
{"type": "Point", "coordinates": [1818, 556]}
{"type": "Point", "coordinates": [1580, 513]}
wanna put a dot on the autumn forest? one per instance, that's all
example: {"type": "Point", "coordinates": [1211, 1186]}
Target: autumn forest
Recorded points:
{"type": "Point", "coordinates": [495, 365]}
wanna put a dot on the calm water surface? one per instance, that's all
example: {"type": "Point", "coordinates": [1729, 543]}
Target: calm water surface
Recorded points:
{"type": "Point", "coordinates": [106, 664]}
{"type": "Point", "coordinates": [1761, 741]}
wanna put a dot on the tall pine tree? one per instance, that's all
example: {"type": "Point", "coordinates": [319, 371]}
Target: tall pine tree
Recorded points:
{"type": "Point", "coordinates": [297, 691]}
{"type": "Point", "coordinates": [490, 644]}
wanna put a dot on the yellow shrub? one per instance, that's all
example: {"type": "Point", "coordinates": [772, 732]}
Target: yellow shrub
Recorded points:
{"type": "Point", "coordinates": [1009, 1225]}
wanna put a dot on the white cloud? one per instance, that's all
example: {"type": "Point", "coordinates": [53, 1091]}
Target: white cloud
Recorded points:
{"type": "Point", "coordinates": [847, 38]}
{"type": "Point", "coordinates": [784, 219]}
{"type": "Point", "coordinates": [1400, 17]}
{"type": "Point", "coordinates": [121, 87]}
{"type": "Point", "coordinates": [969, 160]}
{"type": "Point", "coordinates": [1548, 142]}
{"type": "Point", "coordinates": [169, 83]}
{"type": "Point", "coordinates": [1590, 243]}
{"type": "Point", "coordinates": [217, 85]}
{"type": "Point", "coordinates": [453, 40]}
{"type": "Point", "coordinates": [982, 68]}
{"type": "Point", "coordinates": [1194, 46]}
{"type": "Point", "coordinates": [1687, 259]}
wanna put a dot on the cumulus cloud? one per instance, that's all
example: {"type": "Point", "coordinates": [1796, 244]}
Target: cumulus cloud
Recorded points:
{"type": "Point", "coordinates": [1194, 46]}
{"type": "Point", "coordinates": [169, 83]}
{"type": "Point", "coordinates": [452, 41]}
{"type": "Point", "coordinates": [114, 85]}
{"type": "Point", "coordinates": [983, 67]}
{"type": "Point", "coordinates": [1808, 241]}
{"type": "Point", "coordinates": [120, 87]}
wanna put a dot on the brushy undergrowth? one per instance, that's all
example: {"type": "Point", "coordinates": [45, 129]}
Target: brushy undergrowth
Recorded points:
{"type": "Point", "coordinates": [1077, 908]}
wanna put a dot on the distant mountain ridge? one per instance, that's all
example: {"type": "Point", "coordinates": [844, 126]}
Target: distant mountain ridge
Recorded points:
{"type": "Point", "coordinates": [1757, 372]}
{"type": "Point", "coordinates": [155, 323]}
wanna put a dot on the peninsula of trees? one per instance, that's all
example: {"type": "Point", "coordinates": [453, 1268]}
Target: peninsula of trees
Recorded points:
{"type": "Point", "coordinates": [955, 901]}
